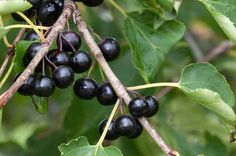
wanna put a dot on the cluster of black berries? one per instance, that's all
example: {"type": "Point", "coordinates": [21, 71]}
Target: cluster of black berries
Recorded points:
{"type": "Point", "coordinates": [64, 62]}
{"type": "Point", "coordinates": [127, 125]}
{"type": "Point", "coordinates": [47, 11]}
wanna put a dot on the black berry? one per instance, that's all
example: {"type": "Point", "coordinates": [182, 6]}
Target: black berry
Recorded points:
{"type": "Point", "coordinates": [60, 3]}
{"type": "Point", "coordinates": [111, 133]}
{"type": "Point", "coordinates": [138, 131]}
{"type": "Point", "coordinates": [138, 107]}
{"type": "Point", "coordinates": [153, 106]}
{"type": "Point", "coordinates": [68, 40]}
{"type": "Point", "coordinates": [63, 76]}
{"type": "Point", "coordinates": [106, 94]}
{"type": "Point", "coordinates": [31, 36]}
{"type": "Point", "coordinates": [85, 88]}
{"type": "Point", "coordinates": [31, 51]}
{"type": "Point", "coordinates": [59, 58]}
{"type": "Point", "coordinates": [28, 86]}
{"type": "Point", "coordinates": [44, 86]}
{"type": "Point", "coordinates": [109, 48]}
{"type": "Point", "coordinates": [48, 12]}
{"type": "Point", "coordinates": [126, 125]}
{"type": "Point", "coordinates": [92, 3]}
{"type": "Point", "coordinates": [80, 62]}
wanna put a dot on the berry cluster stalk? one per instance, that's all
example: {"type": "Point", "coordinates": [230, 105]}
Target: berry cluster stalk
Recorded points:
{"type": "Point", "coordinates": [116, 84]}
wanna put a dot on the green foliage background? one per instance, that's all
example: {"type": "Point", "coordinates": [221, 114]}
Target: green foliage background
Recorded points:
{"type": "Point", "coordinates": [184, 125]}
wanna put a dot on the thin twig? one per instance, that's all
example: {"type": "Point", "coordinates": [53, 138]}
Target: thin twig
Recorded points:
{"type": "Point", "coordinates": [57, 27]}
{"type": "Point", "coordinates": [223, 47]}
{"type": "Point", "coordinates": [116, 84]}
{"type": "Point", "coordinates": [11, 51]}
{"type": "Point", "coordinates": [197, 52]}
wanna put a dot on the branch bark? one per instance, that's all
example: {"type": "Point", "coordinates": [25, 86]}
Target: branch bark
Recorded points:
{"type": "Point", "coordinates": [56, 28]}
{"type": "Point", "coordinates": [116, 84]}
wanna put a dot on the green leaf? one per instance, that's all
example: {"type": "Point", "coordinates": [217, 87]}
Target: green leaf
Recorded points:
{"type": "Point", "coordinates": [224, 14]}
{"type": "Point", "coordinates": [21, 48]}
{"type": "Point", "coordinates": [205, 85]}
{"type": "Point", "coordinates": [151, 39]}
{"type": "Point", "coordinates": [81, 147]}
{"type": "Point", "coordinates": [15, 5]}
{"type": "Point", "coordinates": [3, 32]}
{"type": "Point", "coordinates": [40, 104]}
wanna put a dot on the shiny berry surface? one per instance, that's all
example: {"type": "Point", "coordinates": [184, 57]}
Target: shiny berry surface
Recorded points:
{"type": "Point", "coordinates": [31, 36]}
{"type": "Point", "coordinates": [63, 76]}
{"type": "Point", "coordinates": [48, 12]}
{"type": "Point", "coordinates": [106, 94]}
{"type": "Point", "coordinates": [138, 131]}
{"type": "Point", "coordinates": [80, 62]}
{"type": "Point", "coordinates": [68, 40]}
{"type": "Point", "coordinates": [153, 106]}
{"type": "Point", "coordinates": [138, 107]}
{"type": "Point", "coordinates": [44, 86]}
{"type": "Point", "coordinates": [109, 48]}
{"type": "Point", "coordinates": [59, 58]}
{"type": "Point", "coordinates": [111, 133]}
{"type": "Point", "coordinates": [85, 88]}
{"type": "Point", "coordinates": [126, 125]}
{"type": "Point", "coordinates": [28, 86]}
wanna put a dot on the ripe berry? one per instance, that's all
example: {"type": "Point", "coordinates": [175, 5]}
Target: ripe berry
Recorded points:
{"type": "Point", "coordinates": [80, 62]}
{"type": "Point", "coordinates": [138, 107]}
{"type": "Point", "coordinates": [31, 51]}
{"type": "Point", "coordinates": [59, 58]}
{"type": "Point", "coordinates": [153, 106]}
{"type": "Point", "coordinates": [92, 3]}
{"type": "Point", "coordinates": [106, 94]}
{"type": "Point", "coordinates": [63, 76]}
{"type": "Point", "coordinates": [70, 39]}
{"type": "Point", "coordinates": [31, 36]}
{"type": "Point", "coordinates": [44, 86]}
{"type": "Point", "coordinates": [59, 2]}
{"type": "Point", "coordinates": [109, 48]}
{"type": "Point", "coordinates": [126, 125]}
{"type": "Point", "coordinates": [48, 12]}
{"type": "Point", "coordinates": [111, 133]}
{"type": "Point", "coordinates": [85, 88]}
{"type": "Point", "coordinates": [138, 131]}
{"type": "Point", "coordinates": [28, 87]}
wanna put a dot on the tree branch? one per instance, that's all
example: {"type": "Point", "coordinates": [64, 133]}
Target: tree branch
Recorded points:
{"type": "Point", "coordinates": [57, 27]}
{"type": "Point", "coordinates": [116, 84]}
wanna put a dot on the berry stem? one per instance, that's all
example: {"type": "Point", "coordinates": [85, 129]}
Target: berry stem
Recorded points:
{"type": "Point", "coordinates": [72, 47]}
{"type": "Point", "coordinates": [41, 36]}
{"type": "Point", "coordinates": [154, 85]}
{"type": "Point", "coordinates": [101, 73]}
{"type": "Point", "coordinates": [99, 143]}
{"type": "Point", "coordinates": [112, 2]}
{"type": "Point", "coordinates": [50, 62]}
{"type": "Point", "coordinates": [8, 72]}
{"type": "Point", "coordinates": [91, 69]}
{"type": "Point", "coordinates": [15, 26]}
